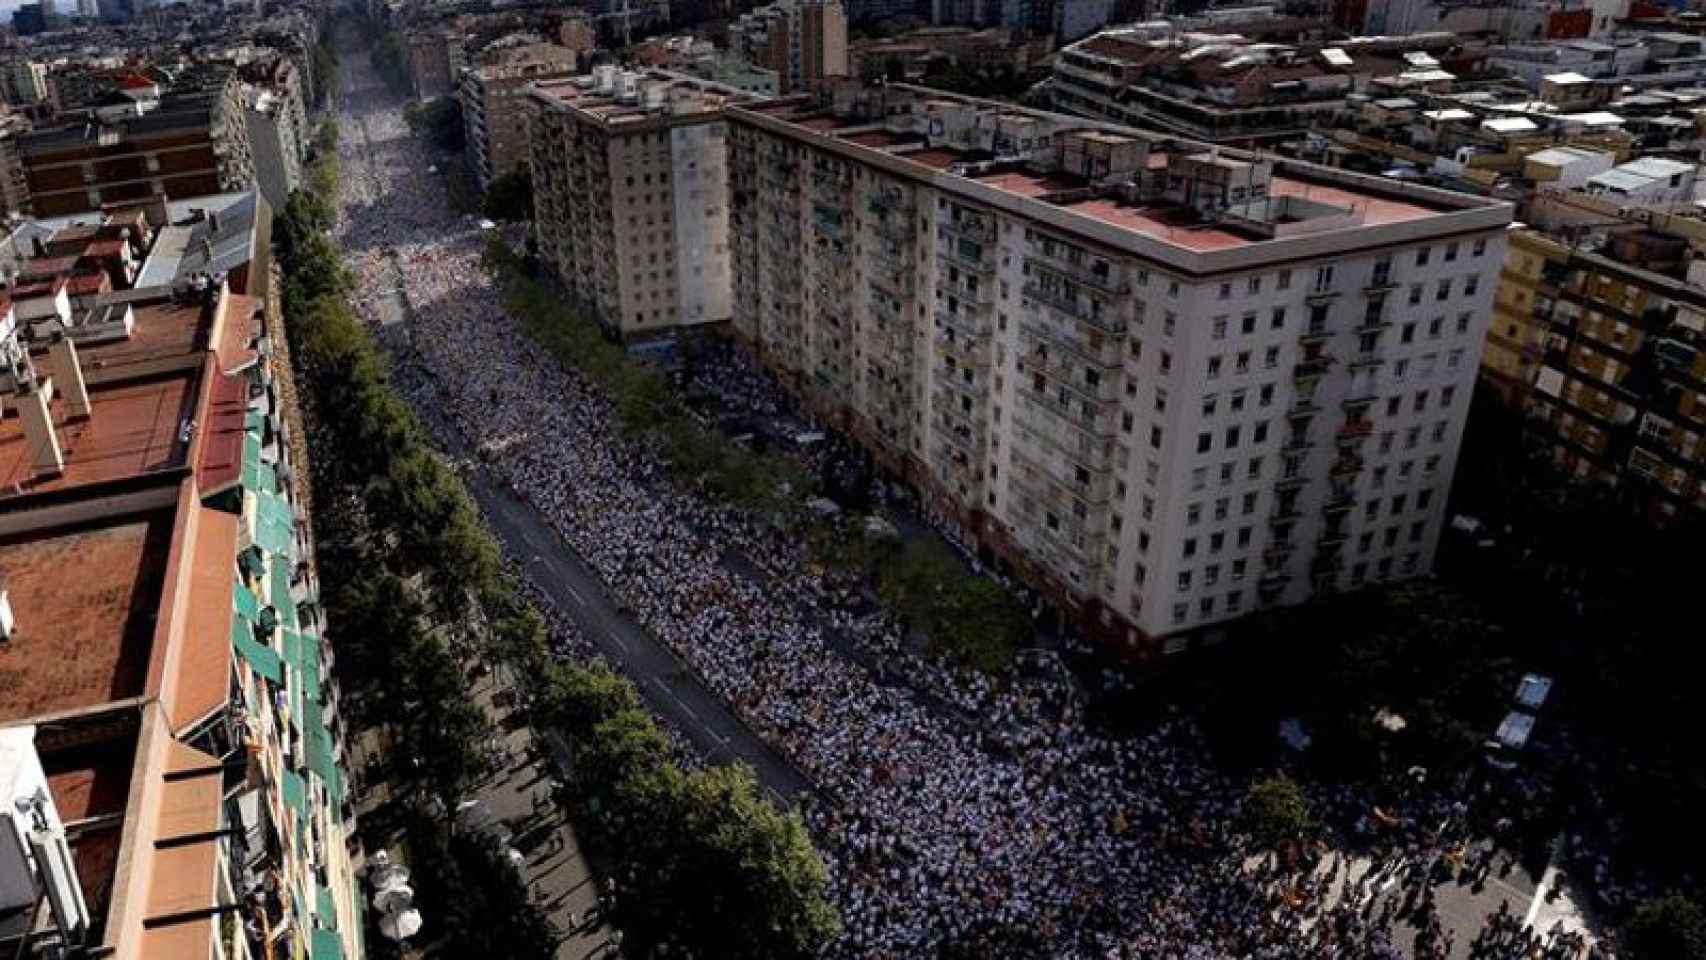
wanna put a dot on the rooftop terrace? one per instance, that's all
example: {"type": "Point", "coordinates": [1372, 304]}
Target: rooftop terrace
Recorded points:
{"type": "Point", "coordinates": [84, 602]}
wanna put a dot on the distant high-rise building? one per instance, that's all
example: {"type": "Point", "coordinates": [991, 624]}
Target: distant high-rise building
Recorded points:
{"type": "Point", "coordinates": [804, 41]}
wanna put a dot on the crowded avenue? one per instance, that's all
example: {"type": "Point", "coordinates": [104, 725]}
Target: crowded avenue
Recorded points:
{"type": "Point", "coordinates": [957, 816]}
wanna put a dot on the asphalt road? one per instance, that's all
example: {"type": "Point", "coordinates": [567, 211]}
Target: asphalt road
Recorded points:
{"type": "Point", "coordinates": [667, 683]}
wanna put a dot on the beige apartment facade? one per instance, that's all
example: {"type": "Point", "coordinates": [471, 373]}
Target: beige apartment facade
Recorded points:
{"type": "Point", "coordinates": [630, 198]}
{"type": "Point", "coordinates": [1166, 384]}
{"type": "Point", "coordinates": [494, 106]}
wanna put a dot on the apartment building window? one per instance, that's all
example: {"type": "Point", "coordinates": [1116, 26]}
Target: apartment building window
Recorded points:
{"type": "Point", "coordinates": [1155, 437]}
{"type": "Point", "coordinates": [1193, 514]}
{"type": "Point", "coordinates": [1226, 291]}
{"type": "Point", "coordinates": [1412, 437]}
{"type": "Point", "coordinates": [1143, 278]}
{"type": "Point", "coordinates": [1400, 369]}
{"type": "Point", "coordinates": [1234, 599]}
{"type": "Point", "coordinates": [1451, 252]}
{"type": "Point", "coordinates": [1270, 359]}
{"type": "Point", "coordinates": [1277, 321]}
{"type": "Point", "coordinates": [1446, 395]}
{"type": "Point", "coordinates": [1378, 479]}
{"type": "Point", "coordinates": [1210, 402]}
{"type": "Point", "coordinates": [1423, 498]}
{"type": "Point", "coordinates": [1180, 610]}
{"type": "Point", "coordinates": [1244, 534]}
{"type": "Point", "coordinates": [1151, 472]}
{"type": "Point", "coordinates": [1205, 442]}
{"type": "Point", "coordinates": [1247, 323]}
{"type": "Point", "coordinates": [1471, 284]}
{"type": "Point", "coordinates": [1417, 529]}
{"type": "Point", "coordinates": [1244, 361]}
{"type": "Point", "coordinates": [1421, 401]}
{"type": "Point", "coordinates": [1168, 322]}
{"type": "Point", "coordinates": [1213, 367]}
{"type": "Point", "coordinates": [1260, 434]}
{"type": "Point", "coordinates": [1454, 359]}
{"type": "Point", "coordinates": [1384, 567]}
{"type": "Point", "coordinates": [1407, 333]}
{"type": "Point", "coordinates": [1253, 286]}
{"type": "Point", "coordinates": [1232, 434]}
{"type": "Point", "coordinates": [1126, 421]}
{"type": "Point", "coordinates": [1143, 541]}
{"type": "Point", "coordinates": [1216, 542]}
{"type": "Point", "coordinates": [1206, 605]}
{"type": "Point", "coordinates": [1226, 473]}
{"type": "Point", "coordinates": [1199, 478]}
{"type": "Point", "coordinates": [1323, 279]}
{"type": "Point", "coordinates": [1386, 439]}
{"type": "Point", "coordinates": [1166, 363]}
{"type": "Point", "coordinates": [1439, 431]}
{"type": "Point", "coordinates": [1389, 537]}
{"type": "Point", "coordinates": [1415, 294]}
{"type": "Point", "coordinates": [1236, 401]}
{"type": "Point", "coordinates": [1371, 510]}
{"type": "Point", "coordinates": [1222, 505]}
{"type": "Point", "coordinates": [1249, 505]}
{"type": "Point", "coordinates": [1238, 569]}
{"type": "Point", "coordinates": [1219, 328]}
{"type": "Point", "coordinates": [1365, 543]}
{"type": "Point", "coordinates": [1254, 471]}
{"type": "Point", "coordinates": [1283, 281]}
{"type": "Point", "coordinates": [1443, 291]}
{"type": "Point", "coordinates": [1399, 503]}
{"type": "Point", "coordinates": [1211, 575]}
{"type": "Point", "coordinates": [1423, 255]}
{"type": "Point", "coordinates": [1392, 405]}
{"type": "Point", "coordinates": [1136, 349]}
{"type": "Point", "coordinates": [1480, 247]}
{"type": "Point", "coordinates": [1265, 396]}
{"type": "Point", "coordinates": [1172, 288]}
{"type": "Point", "coordinates": [1435, 327]}
{"type": "Point", "coordinates": [1189, 547]}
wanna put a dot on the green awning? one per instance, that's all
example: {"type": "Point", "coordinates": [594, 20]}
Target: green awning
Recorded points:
{"type": "Point", "coordinates": [254, 421]}
{"type": "Point", "coordinates": [320, 758]}
{"type": "Point", "coordinates": [325, 910]}
{"type": "Point", "coordinates": [326, 946]}
{"type": "Point", "coordinates": [295, 792]}
{"type": "Point", "coordinates": [249, 475]}
{"type": "Point", "coordinates": [260, 656]}
{"type": "Point", "coordinates": [266, 478]}
{"type": "Point", "coordinates": [275, 523]}
{"type": "Point", "coordinates": [248, 605]}
{"type": "Point", "coordinates": [281, 598]}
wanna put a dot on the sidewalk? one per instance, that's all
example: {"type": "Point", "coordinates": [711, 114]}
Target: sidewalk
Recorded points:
{"type": "Point", "coordinates": [519, 796]}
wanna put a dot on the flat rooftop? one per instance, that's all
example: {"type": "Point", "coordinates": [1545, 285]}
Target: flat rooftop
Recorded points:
{"type": "Point", "coordinates": [133, 430]}
{"type": "Point", "coordinates": [1175, 224]}
{"type": "Point", "coordinates": [84, 602]}
{"type": "Point", "coordinates": [579, 94]}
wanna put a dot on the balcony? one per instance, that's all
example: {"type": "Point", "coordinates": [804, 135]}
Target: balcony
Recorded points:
{"type": "Point", "coordinates": [965, 259]}
{"type": "Point", "coordinates": [975, 228]}
{"type": "Point", "coordinates": [1358, 400]}
{"type": "Point", "coordinates": [1381, 282]}
{"type": "Point", "coordinates": [965, 324]}
{"type": "Point", "coordinates": [1317, 333]}
{"type": "Point", "coordinates": [1074, 414]}
{"type": "Point", "coordinates": [1366, 359]}
{"type": "Point", "coordinates": [1297, 443]}
{"type": "Point", "coordinates": [1094, 348]}
{"type": "Point", "coordinates": [1355, 429]}
{"type": "Point", "coordinates": [1291, 482]}
{"type": "Point", "coordinates": [1339, 503]}
{"type": "Point", "coordinates": [1284, 513]}
{"type": "Point", "coordinates": [1309, 367]}
{"type": "Point", "coordinates": [1346, 466]}
{"type": "Point", "coordinates": [1106, 280]}
{"type": "Point", "coordinates": [1303, 405]}
{"type": "Point", "coordinates": [969, 353]}
{"type": "Point", "coordinates": [1076, 309]}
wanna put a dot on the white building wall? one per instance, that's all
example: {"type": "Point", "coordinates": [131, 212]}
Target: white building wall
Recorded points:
{"type": "Point", "coordinates": [700, 215]}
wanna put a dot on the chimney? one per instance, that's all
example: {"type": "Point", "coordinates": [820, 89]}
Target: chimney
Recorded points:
{"type": "Point", "coordinates": [46, 459]}
{"type": "Point", "coordinates": [62, 356]}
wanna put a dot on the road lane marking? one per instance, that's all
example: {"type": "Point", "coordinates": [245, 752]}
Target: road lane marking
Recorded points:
{"type": "Point", "coordinates": [618, 641]}
{"type": "Point", "coordinates": [576, 594]}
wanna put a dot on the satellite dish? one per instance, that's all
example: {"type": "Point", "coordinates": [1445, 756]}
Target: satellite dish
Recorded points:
{"type": "Point", "coordinates": [400, 926]}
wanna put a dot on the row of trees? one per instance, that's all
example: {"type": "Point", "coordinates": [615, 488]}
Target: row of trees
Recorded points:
{"type": "Point", "coordinates": [706, 858]}
{"type": "Point", "coordinates": [389, 55]}
{"type": "Point", "coordinates": [417, 587]}
{"type": "Point", "coordinates": [960, 613]}
{"type": "Point", "coordinates": [401, 548]}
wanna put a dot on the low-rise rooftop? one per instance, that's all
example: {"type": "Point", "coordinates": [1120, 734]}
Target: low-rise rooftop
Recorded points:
{"type": "Point", "coordinates": [84, 601]}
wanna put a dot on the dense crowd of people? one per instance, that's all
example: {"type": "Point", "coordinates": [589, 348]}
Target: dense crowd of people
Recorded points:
{"type": "Point", "coordinates": [998, 822]}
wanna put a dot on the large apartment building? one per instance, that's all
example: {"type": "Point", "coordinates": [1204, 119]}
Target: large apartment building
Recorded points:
{"type": "Point", "coordinates": [1603, 345]}
{"type": "Point", "coordinates": [630, 196]}
{"type": "Point", "coordinates": [1166, 383]}
{"type": "Point", "coordinates": [141, 145]}
{"type": "Point", "coordinates": [494, 110]}
{"type": "Point", "coordinates": [170, 735]}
